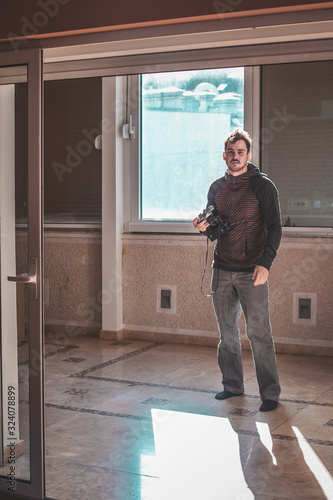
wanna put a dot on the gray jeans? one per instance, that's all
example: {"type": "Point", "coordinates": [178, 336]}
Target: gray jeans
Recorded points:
{"type": "Point", "coordinates": [235, 291]}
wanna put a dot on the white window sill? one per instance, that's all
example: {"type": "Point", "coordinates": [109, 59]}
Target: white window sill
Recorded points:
{"type": "Point", "coordinates": [187, 227]}
{"type": "Point", "coordinates": [161, 227]}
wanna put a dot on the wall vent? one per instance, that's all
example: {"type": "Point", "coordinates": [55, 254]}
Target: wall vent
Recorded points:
{"type": "Point", "coordinates": [166, 298]}
{"type": "Point", "coordinates": [304, 308]}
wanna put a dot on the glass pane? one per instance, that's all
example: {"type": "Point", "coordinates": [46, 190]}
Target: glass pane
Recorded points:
{"type": "Point", "coordinates": [73, 161]}
{"type": "Point", "coordinates": [185, 117]}
{"type": "Point", "coordinates": [15, 447]}
{"type": "Point", "coordinates": [296, 140]}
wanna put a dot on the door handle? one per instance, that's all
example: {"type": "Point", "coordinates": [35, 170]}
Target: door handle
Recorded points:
{"type": "Point", "coordinates": [22, 278]}
{"type": "Point", "coordinates": [26, 278]}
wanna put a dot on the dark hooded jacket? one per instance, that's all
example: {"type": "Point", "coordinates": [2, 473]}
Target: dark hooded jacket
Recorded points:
{"type": "Point", "coordinates": [250, 204]}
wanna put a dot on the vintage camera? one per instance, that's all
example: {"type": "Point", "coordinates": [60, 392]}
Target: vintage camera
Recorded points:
{"type": "Point", "coordinates": [210, 214]}
{"type": "Point", "coordinates": [216, 228]}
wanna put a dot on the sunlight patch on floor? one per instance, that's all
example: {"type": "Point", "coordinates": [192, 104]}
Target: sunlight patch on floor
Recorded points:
{"type": "Point", "coordinates": [197, 457]}
{"type": "Point", "coordinates": [315, 465]}
{"type": "Point", "coordinates": [266, 438]}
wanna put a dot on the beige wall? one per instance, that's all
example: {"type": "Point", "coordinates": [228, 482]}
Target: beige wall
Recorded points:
{"type": "Point", "coordinates": [73, 278]}
{"type": "Point", "coordinates": [303, 266]}
{"type": "Point", "coordinates": [73, 281]}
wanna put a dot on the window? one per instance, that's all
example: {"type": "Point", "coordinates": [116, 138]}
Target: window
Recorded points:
{"type": "Point", "coordinates": [184, 119]}
{"type": "Point", "coordinates": [72, 162]}
{"type": "Point", "coordinates": [296, 140]}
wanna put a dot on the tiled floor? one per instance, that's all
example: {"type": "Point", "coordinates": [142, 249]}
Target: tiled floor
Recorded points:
{"type": "Point", "coordinates": [138, 420]}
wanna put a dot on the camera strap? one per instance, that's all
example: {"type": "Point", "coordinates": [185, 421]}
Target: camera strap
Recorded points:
{"type": "Point", "coordinates": [204, 273]}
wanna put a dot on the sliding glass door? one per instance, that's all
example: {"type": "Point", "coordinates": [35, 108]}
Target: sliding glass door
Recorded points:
{"type": "Point", "coordinates": [21, 418]}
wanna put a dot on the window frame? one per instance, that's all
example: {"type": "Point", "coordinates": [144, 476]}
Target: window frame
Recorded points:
{"type": "Point", "coordinates": [268, 51]}
{"type": "Point", "coordinates": [251, 121]}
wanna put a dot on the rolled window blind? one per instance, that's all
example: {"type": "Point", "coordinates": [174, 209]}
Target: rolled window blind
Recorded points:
{"type": "Point", "coordinates": [72, 164]}
{"type": "Point", "coordinates": [296, 140]}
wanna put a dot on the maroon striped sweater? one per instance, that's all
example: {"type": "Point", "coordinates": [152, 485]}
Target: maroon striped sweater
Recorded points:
{"type": "Point", "coordinates": [250, 204]}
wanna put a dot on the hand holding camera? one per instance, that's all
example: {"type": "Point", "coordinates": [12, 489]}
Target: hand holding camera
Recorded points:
{"type": "Point", "coordinates": [210, 224]}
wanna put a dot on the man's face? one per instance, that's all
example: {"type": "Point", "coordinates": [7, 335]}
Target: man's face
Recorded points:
{"type": "Point", "coordinates": [236, 157]}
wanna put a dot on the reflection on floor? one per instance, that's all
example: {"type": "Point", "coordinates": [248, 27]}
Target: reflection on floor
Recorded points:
{"type": "Point", "coordinates": [133, 420]}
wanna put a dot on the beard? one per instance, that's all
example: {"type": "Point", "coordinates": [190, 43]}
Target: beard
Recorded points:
{"type": "Point", "coordinates": [236, 166]}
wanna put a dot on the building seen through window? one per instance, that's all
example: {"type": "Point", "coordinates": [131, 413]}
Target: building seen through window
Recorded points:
{"type": "Point", "coordinates": [185, 118]}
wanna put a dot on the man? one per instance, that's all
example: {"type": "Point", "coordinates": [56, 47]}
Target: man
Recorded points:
{"type": "Point", "coordinates": [248, 202]}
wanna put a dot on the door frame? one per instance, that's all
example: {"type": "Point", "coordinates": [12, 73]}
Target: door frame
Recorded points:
{"type": "Point", "coordinates": [35, 488]}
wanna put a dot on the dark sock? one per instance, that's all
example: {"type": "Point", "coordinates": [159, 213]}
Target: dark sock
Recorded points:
{"type": "Point", "coordinates": [225, 395]}
{"type": "Point", "coordinates": [268, 405]}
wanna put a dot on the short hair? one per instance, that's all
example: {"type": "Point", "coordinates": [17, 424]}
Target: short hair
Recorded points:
{"type": "Point", "coordinates": [238, 135]}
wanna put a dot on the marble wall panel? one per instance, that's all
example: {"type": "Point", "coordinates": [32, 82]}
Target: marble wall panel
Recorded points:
{"type": "Point", "coordinates": [73, 278]}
